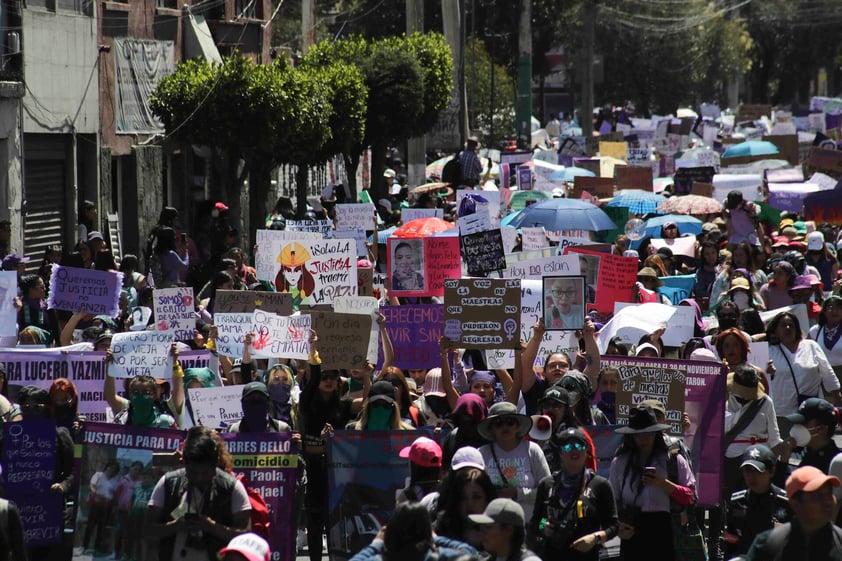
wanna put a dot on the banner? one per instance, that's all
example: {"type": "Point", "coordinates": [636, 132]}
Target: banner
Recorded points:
{"type": "Point", "coordinates": [704, 403]}
{"type": "Point", "coordinates": [790, 196]}
{"type": "Point", "coordinates": [482, 313]}
{"type": "Point", "coordinates": [98, 292]}
{"type": "Point", "coordinates": [175, 311]}
{"type": "Point", "coordinates": [215, 407]}
{"type": "Point", "coordinates": [280, 336]}
{"type": "Point", "coordinates": [364, 475]}
{"type": "Point", "coordinates": [231, 332]}
{"type": "Point", "coordinates": [483, 252]}
{"type": "Point", "coordinates": [240, 301]}
{"type": "Point", "coordinates": [343, 339]}
{"type": "Point", "coordinates": [29, 464]}
{"type": "Point", "coordinates": [615, 278]}
{"type": "Point", "coordinates": [414, 331]}
{"type": "Point", "coordinates": [138, 353]}
{"type": "Point", "coordinates": [42, 366]}
{"type": "Point", "coordinates": [8, 312]}
{"type": "Point", "coordinates": [270, 466]}
{"type": "Point", "coordinates": [355, 216]}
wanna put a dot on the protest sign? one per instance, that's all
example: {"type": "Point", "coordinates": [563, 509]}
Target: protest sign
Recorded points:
{"type": "Point", "coordinates": [685, 177]}
{"type": "Point", "coordinates": [479, 221]}
{"type": "Point", "coordinates": [73, 289]}
{"type": "Point", "coordinates": [534, 238]}
{"type": "Point", "coordinates": [215, 407]}
{"type": "Point", "coordinates": [749, 184]}
{"type": "Point", "coordinates": [441, 255]}
{"type": "Point", "coordinates": [553, 342]}
{"type": "Point", "coordinates": [324, 228]}
{"type": "Point", "coordinates": [405, 263]}
{"type": "Point", "coordinates": [343, 339]}
{"type": "Point", "coordinates": [8, 312]}
{"type": "Point", "coordinates": [677, 287]}
{"type": "Point", "coordinates": [314, 272]}
{"type": "Point", "coordinates": [138, 353]}
{"type": "Point", "coordinates": [615, 278]}
{"type": "Point", "coordinates": [280, 336]}
{"type": "Point", "coordinates": [685, 245]}
{"type": "Point", "coordinates": [790, 196]}
{"type": "Point", "coordinates": [247, 301]}
{"type": "Point", "coordinates": [509, 238]}
{"type": "Point", "coordinates": [799, 310]}
{"type": "Point", "coordinates": [232, 330]}
{"type": "Point", "coordinates": [570, 241]}
{"type": "Point", "coordinates": [355, 216]}
{"type": "Point", "coordinates": [541, 172]}
{"type": "Point", "coordinates": [264, 261]}
{"type": "Point", "coordinates": [202, 358]}
{"type": "Point", "coordinates": [29, 467]}
{"type": "Point", "coordinates": [364, 305]}
{"type": "Point", "coordinates": [524, 178]}
{"type": "Point", "coordinates": [40, 367]}
{"type": "Point", "coordinates": [825, 182]}
{"type": "Point", "coordinates": [632, 321]}
{"type": "Point", "coordinates": [563, 302]}
{"type": "Point", "coordinates": [828, 161]}
{"type": "Point", "coordinates": [175, 311]}
{"type": "Point", "coordinates": [542, 267]}
{"type": "Point", "coordinates": [482, 313]}
{"type": "Point", "coordinates": [704, 403]}
{"type": "Point", "coordinates": [491, 206]}
{"type": "Point", "coordinates": [408, 214]}
{"type": "Point", "coordinates": [359, 238]}
{"type": "Point", "coordinates": [364, 474]}
{"type": "Point", "coordinates": [702, 189]}
{"type": "Point", "coordinates": [824, 206]}
{"type": "Point", "coordinates": [414, 331]}
{"type": "Point", "coordinates": [365, 282]}
{"type": "Point", "coordinates": [599, 187]}
{"type": "Point", "coordinates": [269, 463]}
{"type": "Point", "coordinates": [633, 177]}
{"type": "Point", "coordinates": [618, 150]}
{"type": "Point", "coordinates": [483, 252]}
{"type": "Point", "coordinates": [661, 381]}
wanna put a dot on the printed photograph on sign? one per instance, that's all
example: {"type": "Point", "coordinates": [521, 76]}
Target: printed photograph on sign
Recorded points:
{"type": "Point", "coordinates": [406, 264]}
{"type": "Point", "coordinates": [564, 302]}
{"type": "Point", "coordinates": [589, 268]}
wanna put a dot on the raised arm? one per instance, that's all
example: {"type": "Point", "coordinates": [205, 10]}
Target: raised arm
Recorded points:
{"type": "Point", "coordinates": [385, 342]}
{"type": "Point", "coordinates": [591, 351]}
{"type": "Point", "coordinates": [177, 394]}
{"type": "Point", "coordinates": [66, 336]}
{"type": "Point", "coordinates": [530, 353]}
{"type": "Point", "coordinates": [446, 379]}
{"type": "Point", "coordinates": [513, 392]}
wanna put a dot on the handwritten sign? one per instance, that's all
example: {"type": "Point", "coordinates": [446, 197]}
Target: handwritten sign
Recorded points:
{"type": "Point", "coordinates": [323, 228]}
{"type": "Point", "coordinates": [232, 329]}
{"type": "Point", "coordinates": [615, 278]}
{"type": "Point", "coordinates": [654, 379]}
{"type": "Point", "coordinates": [215, 407]}
{"type": "Point", "coordinates": [599, 187]}
{"type": "Point", "coordinates": [8, 312]}
{"type": "Point", "coordinates": [482, 313]}
{"type": "Point", "coordinates": [541, 267]}
{"type": "Point", "coordinates": [343, 339]}
{"type": "Point", "coordinates": [356, 216]}
{"type": "Point", "coordinates": [414, 331]}
{"type": "Point", "coordinates": [534, 238]}
{"type": "Point", "coordinates": [280, 336]}
{"type": "Point", "coordinates": [247, 301]}
{"type": "Point", "coordinates": [408, 214]}
{"type": "Point", "coordinates": [72, 289]}
{"type": "Point", "coordinates": [365, 305]}
{"type": "Point", "coordinates": [141, 353]}
{"type": "Point", "coordinates": [358, 236]}
{"type": "Point", "coordinates": [441, 254]}
{"type": "Point", "coordinates": [633, 177]}
{"type": "Point", "coordinates": [175, 311]}
{"type": "Point", "coordinates": [483, 252]}
{"type": "Point", "coordinates": [685, 177]}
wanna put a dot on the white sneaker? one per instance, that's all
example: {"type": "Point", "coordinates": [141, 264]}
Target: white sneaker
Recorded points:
{"type": "Point", "coordinates": [301, 539]}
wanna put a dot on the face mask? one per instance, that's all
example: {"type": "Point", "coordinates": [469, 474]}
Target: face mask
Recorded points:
{"type": "Point", "coordinates": [741, 299]}
{"type": "Point", "coordinates": [438, 404]}
{"type": "Point", "coordinates": [608, 398]}
{"type": "Point", "coordinates": [279, 393]}
{"type": "Point", "coordinates": [800, 434]}
{"type": "Point", "coordinates": [254, 414]}
{"type": "Point", "coordinates": [143, 410]}
{"type": "Point", "coordinates": [378, 419]}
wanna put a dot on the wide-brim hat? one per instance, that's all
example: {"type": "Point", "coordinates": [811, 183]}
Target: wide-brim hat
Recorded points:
{"type": "Point", "coordinates": [642, 420]}
{"type": "Point", "coordinates": [498, 411]}
{"type": "Point", "coordinates": [650, 273]}
{"type": "Point", "coordinates": [741, 391]}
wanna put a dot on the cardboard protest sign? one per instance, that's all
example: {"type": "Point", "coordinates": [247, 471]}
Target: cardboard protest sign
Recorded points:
{"type": "Point", "coordinates": [824, 206]}
{"type": "Point", "coordinates": [632, 321]}
{"type": "Point", "coordinates": [685, 177]}
{"type": "Point", "coordinates": [828, 161]}
{"type": "Point", "coordinates": [365, 305]}
{"type": "Point", "coordinates": [563, 300]}
{"type": "Point", "coordinates": [215, 407]}
{"type": "Point", "coordinates": [359, 238]}
{"type": "Point", "coordinates": [483, 252]}
{"type": "Point", "coordinates": [749, 112]}
{"type": "Point", "coordinates": [343, 339]}
{"type": "Point", "coordinates": [534, 238]}
{"type": "Point", "coordinates": [280, 336]}
{"type": "Point", "coordinates": [599, 187]}
{"type": "Point", "coordinates": [355, 216]}
{"type": "Point", "coordinates": [8, 312]}
{"type": "Point", "coordinates": [408, 214]}
{"type": "Point", "coordinates": [616, 275]}
{"type": "Point", "coordinates": [40, 367]}
{"type": "Point", "coordinates": [247, 301]}
{"type": "Point", "coordinates": [553, 342]}
{"type": "Point", "coordinates": [314, 272]}
{"type": "Point", "coordinates": [633, 177]}
{"type": "Point", "coordinates": [175, 311]}
{"type": "Point", "coordinates": [441, 255]}
{"type": "Point", "coordinates": [29, 467]}
{"type": "Point", "coordinates": [138, 353]}
{"type": "Point", "coordinates": [702, 189]}
{"type": "Point", "coordinates": [414, 331]}
{"type": "Point", "coordinates": [482, 313]}
{"type": "Point", "coordinates": [685, 245]}
{"type": "Point", "coordinates": [324, 228]}
{"type": "Point", "coordinates": [405, 263]}
{"type": "Point", "coordinates": [704, 403]}
{"type": "Point", "coordinates": [269, 462]}
{"type": "Point", "coordinates": [790, 196]}
{"type": "Point", "coordinates": [617, 150]}
{"type": "Point", "coordinates": [787, 146]}
{"type": "Point", "coordinates": [232, 330]}
{"type": "Point", "coordinates": [73, 289]}
{"type": "Point", "coordinates": [640, 381]}
{"type": "Point", "coordinates": [537, 268]}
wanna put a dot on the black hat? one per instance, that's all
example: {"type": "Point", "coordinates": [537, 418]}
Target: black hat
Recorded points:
{"type": "Point", "coordinates": [642, 420]}
{"type": "Point", "coordinates": [557, 394]}
{"type": "Point", "coordinates": [760, 457]}
{"type": "Point", "coordinates": [572, 434]}
{"type": "Point", "coordinates": [382, 391]}
{"type": "Point", "coordinates": [814, 408]}
{"type": "Point", "coordinates": [255, 387]}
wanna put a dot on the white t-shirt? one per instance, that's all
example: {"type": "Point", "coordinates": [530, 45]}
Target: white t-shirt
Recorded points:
{"type": "Point", "coordinates": [834, 354]}
{"type": "Point", "coordinates": [812, 373]}
{"type": "Point", "coordinates": [105, 487]}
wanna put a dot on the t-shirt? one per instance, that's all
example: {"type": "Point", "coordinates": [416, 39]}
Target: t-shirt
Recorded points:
{"type": "Point", "coordinates": [105, 487]}
{"type": "Point", "coordinates": [524, 466]}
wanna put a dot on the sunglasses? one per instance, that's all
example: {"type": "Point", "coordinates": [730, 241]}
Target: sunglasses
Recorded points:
{"type": "Point", "coordinates": [505, 422]}
{"type": "Point", "coordinates": [330, 376]}
{"type": "Point", "coordinates": [573, 446]}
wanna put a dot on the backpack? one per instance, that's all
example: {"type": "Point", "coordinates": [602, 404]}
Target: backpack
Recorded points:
{"type": "Point", "coordinates": [259, 510]}
{"type": "Point", "coordinates": [452, 171]}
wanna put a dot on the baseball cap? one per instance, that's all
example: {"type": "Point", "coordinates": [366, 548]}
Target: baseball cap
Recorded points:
{"type": "Point", "coordinates": [503, 511]}
{"type": "Point", "coordinates": [808, 479]}
{"type": "Point", "coordinates": [250, 545]}
{"type": "Point", "coordinates": [557, 394]}
{"type": "Point", "coordinates": [11, 262]}
{"type": "Point", "coordinates": [423, 452]}
{"type": "Point", "coordinates": [382, 391]}
{"type": "Point", "coordinates": [95, 236]}
{"type": "Point", "coordinates": [255, 387]}
{"type": "Point", "coordinates": [465, 457]}
{"type": "Point", "coordinates": [760, 457]}
{"type": "Point", "coordinates": [572, 434]}
{"type": "Point", "coordinates": [815, 241]}
{"type": "Point", "coordinates": [385, 203]}
{"type": "Point", "coordinates": [814, 408]}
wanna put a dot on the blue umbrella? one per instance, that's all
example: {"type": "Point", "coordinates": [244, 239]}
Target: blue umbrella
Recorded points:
{"type": "Point", "coordinates": [567, 174]}
{"type": "Point", "coordinates": [686, 224]}
{"type": "Point", "coordinates": [637, 201]}
{"type": "Point", "coordinates": [563, 214]}
{"type": "Point", "coordinates": [751, 148]}
{"type": "Point", "coordinates": [509, 217]}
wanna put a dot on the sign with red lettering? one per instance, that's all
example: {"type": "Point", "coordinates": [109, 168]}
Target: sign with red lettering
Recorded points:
{"type": "Point", "coordinates": [616, 276]}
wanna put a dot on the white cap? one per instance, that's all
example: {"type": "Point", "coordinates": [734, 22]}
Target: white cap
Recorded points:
{"type": "Point", "coordinates": [250, 545]}
{"type": "Point", "coordinates": [815, 241]}
{"type": "Point", "coordinates": [467, 456]}
{"type": "Point", "coordinates": [385, 203]}
{"type": "Point", "coordinates": [432, 383]}
{"type": "Point", "coordinates": [389, 172]}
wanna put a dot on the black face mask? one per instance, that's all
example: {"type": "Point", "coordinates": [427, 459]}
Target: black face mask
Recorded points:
{"type": "Point", "coordinates": [438, 404]}
{"type": "Point", "coordinates": [742, 400]}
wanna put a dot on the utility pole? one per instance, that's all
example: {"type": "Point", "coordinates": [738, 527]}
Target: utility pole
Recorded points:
{"type": "Point", "coordinates": [416, 148]}
{"type": "Point", "coordinates": [586, 60]}
{"type": "Point", "coordinates": [308, 25]}
{"type": "Point", "coordinates": [523, 107]}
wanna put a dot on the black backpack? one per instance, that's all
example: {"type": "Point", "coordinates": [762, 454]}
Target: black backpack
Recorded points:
{"type": "Point", "coordinates": [452, 171]}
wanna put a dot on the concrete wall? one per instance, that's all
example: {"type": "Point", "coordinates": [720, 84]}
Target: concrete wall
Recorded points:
{"type": "Point", "coordinates": [11, 158]}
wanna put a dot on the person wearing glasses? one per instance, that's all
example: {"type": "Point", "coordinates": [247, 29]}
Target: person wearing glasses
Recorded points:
{"type": "Point", "coordinates": [575, 512]}
{"type": "Point", "coordinates": [515, 465]}
{"type": "Point", "coordinates": [563, 309]}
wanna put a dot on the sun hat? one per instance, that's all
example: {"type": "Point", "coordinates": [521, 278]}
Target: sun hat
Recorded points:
{"type": "Point", "coordinates": [642, 420]}
{"type": "Point", "coordinates": [808, 479]}
{"type": "Point", "coordinates": [423, 451]}
{"type": "Point", "coordinates": [432, 383]}
{"type": "Point", "coordinates": [650, 273]}
{"type": "Point", "coordinates": [499, 411]}
{"type": "Point", "coordinates": [655, 405]}
{"type": "Point", "coordinates": [760, 457]}
{"type": "Point", "coordinates": [250, 545]}
{"type": "Point", "coordinates": [745, 384]}
{"type": "Point", "coordinates": [467, 457]}
{"type": "Point", "coordinates": [502, 511]}
{"type": "Point", "coordinates": [801, 282]}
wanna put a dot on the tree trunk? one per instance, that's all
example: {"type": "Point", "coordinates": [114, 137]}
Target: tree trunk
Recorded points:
{"type": "Point", "coordinates": [377, 188]}
{"type": "Point", "coordinates": [301, 177]}
{"type": "Point", "coordinates": [260, 185]}
{"type": "Point", "coordinates": [351, 163]}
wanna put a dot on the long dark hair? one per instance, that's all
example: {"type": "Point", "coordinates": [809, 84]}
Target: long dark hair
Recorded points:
{"type": "Point", "coordinates": [409, 534]}
{"type": "Point", "coordinates": [773, 327]}
{"type": "Point", "coordinates": [633, 465]}
{"type": "Point", "coordinates": [449, 520]}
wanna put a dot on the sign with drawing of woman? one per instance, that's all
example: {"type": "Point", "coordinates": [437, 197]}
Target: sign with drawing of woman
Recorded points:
{"type": "Point", "coordinates": [406, 267]}
{"type": "Point", "coordinates": [564, 302]}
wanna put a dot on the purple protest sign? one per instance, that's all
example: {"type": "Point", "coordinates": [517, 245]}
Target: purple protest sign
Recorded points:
{"type": "Point", "coordinates": [269, 464]}
{"type": "Point", "coordinates": [415, 332]}
{"type": "Point", "coordinates": [74, 289]}
{"type": "Point", "coordinates": [29, 466]}
{"type": "Point", "coordinates": [704, 403]}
